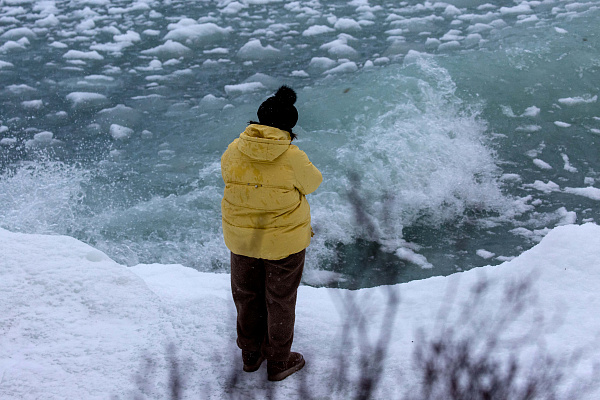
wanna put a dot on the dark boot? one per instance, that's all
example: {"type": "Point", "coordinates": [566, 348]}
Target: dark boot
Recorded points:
{"type": "Point", "coordinates": [252, 360]}
{"type": "Point", "coordinates": [279, 370]}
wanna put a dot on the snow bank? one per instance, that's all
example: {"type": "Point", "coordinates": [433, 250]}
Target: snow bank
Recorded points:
{"type": "Point", "coordinates": [78, 325]}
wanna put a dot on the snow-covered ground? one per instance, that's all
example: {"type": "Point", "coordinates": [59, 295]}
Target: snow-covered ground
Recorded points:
{"type": "Point", "coordinates": [76, 325]}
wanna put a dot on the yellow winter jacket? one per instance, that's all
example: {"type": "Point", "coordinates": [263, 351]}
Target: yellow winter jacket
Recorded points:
{"type": "Point", "coordinates": [264, 209]}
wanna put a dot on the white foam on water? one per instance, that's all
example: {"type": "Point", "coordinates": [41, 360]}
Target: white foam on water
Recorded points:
{"type": "Point", "coordinates": [42, 197]}
{"type": "Point", "coordinates": [417, 155]}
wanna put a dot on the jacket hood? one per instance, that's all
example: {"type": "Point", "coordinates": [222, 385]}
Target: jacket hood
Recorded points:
{"type": "Point", "coordinates": [263, 142]}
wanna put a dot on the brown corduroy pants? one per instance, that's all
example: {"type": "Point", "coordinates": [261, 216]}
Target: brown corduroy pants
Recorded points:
{"type": "Point", "coordinates": [264, 293]}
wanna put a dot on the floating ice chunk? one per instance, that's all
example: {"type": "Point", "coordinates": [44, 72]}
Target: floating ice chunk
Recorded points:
{"type": "Point", "coordinates": [43, 137]}
{"type": "Point", "coordinates": [528, 128]}
{"type": "Point", "coordinates": [448, 46]}
{"type": "Point", "coordinates": [532, 111]}
{"type": "Point", "coordinates": [543, 187]}
{"type": "Point", "coordinates": [414, 56]}
{"type": "Point", "coordinates": [32, 104]}
{"type": "Point", "coordinates": [137, 6]}
{"type": "Point", "coordinates": [5, 64]}
{"type": "Point", "coordinates": [432, 43]}
{"type": "Point", "coordinates": [146, 134]}
{"type": "Point", "coordinates": [536, 235]}
{"type": "Point", "coordinates": [452, 34]}
{"type": "Point", "coordinates": [166, 154]}
{"type": "Point", "coordinates": [58, 45]}
{"type": "Point", "coordinates": [339, 48]}
{"type": "Point", "coordinates": [115, 48]}
{"type": "Point", "coordinates": [47, 22]}
{"type": "Point", "coordinates": [349, 66]}
{"type": "Point", "coordinates": [317, 30]}
{"type": "Point", "coordinates": [527, 20]}
{"type": "Point", "coordinates": [568, 166]}
{"type": "Point", "coordinates": [155, 64]}
{"type": "Point", "coordinates": [566, 217]}
{"type": "Point", "coordinates": [130, 36]}
{"type": "Point", "coordinates": [381, 61]}
{"type": "Point", "coordinates": [505, 258]}
{"type": "Point", "coordinates": [588, 180]}
{"type": "Point", "coordinates": [589, 192]}
{"type": "Point", "coordinates": [196, 34]}
{"type": "Point", "coordinates": [560, 30]}
{"type": "Point", "coordinates": [86, 25]}
{"type": "Point", "coordinates": [82, 100]}
{"type": "Point", "coordinates": [394, 32]}
{"type": "Point", "coordinates": [244, 88]}
{"type": "Point", "coordinates": [516, 10]}
{"type": "Point", "coordinates": [561, 124]}
{"type": "Point", "coordinates": [169, 49]}
{"type": "Point", "coordinates": [511, 177]}
{"type": "Point", "coordinates": [572, 101]}
{"type": "Point", "coordinates": [577, 6]}
{"type": "Point", "coordinates": [217, 50]}
{"type": "Point", "coordinates": [479, 28]}
{"type": "Point", "coordinates": [473, 39]}
{"type": "Point", "coordinates": [595, 131]}
{"type": "Point", "coordinates": [321, 64]}
{"type": "Point", "coordinates": [82, 55]}
{"type": "Point", "coordinates": [119, 132]}
{"type": "Point", "coordinates": [347, 25]}
{"type": "Point", "coordinates": [485, 254]}
{"type": "Point", "coordinates": [418, 24]}
{"type": "Point", "coordinates": [254, 51]}
{"type": "Point", "coordinates": [409, 255]}
{"type": "Point", "coordinates": [541, 164]}
{"type": "Point", "coordinates": [120, 115]}
{"type": "Point", "coordinates": [211, 102]}
{"type": "Point", "coordinates": [210, 63]}
{"type": "Point", "coordinates": [11, 45]}
{"type": "Point", "coordinates": [299, 74]}
{"type": "Point", "coordinates": [498, 23]}
{"type": "Point", "coordinates": [151, 32]}
{"type": "Point", "coordinates": [232, 8]}
{"type": "Point", "coordinates": [268, 81]}
{"type": "Point", "coordinates": [99, 78]}
{"type": "Point", "coordinates": [20, 89]}
{"type": "Point", "coordinates": [451, 11]}
{"type": "Point", "coordinates": [8, 142]}
{"type": "Point", "coordinates": [486, 6]}
{"type": "Point", "coordinates": [18, 33]}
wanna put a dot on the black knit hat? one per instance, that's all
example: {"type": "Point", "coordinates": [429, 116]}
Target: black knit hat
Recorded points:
{"type": "Point", "coordinates": [278, 111]}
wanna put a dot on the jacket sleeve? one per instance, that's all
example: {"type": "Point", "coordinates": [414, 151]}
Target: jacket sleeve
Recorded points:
{"type": "Point", "coordinates": [308, 177]}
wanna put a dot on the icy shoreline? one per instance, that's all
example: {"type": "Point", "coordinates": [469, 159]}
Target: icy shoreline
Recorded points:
{"type": "Point", "coordinates": [75, 324]}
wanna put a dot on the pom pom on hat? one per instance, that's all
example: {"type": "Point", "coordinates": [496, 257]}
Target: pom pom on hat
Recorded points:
{"type": "Point", "coordinates": [286, 94]}
{"type": "Point", "coordinates": [278, 111]}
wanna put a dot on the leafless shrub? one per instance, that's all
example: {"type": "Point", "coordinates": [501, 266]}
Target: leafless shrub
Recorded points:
{"type": "Point", "coordinates": [150, 372]}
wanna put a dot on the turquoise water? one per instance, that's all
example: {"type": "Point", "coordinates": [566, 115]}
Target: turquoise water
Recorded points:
{"type": "Point", "coordinates": [450, 135]}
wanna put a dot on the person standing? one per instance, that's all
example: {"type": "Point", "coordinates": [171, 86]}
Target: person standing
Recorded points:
{"type": "Point", "coordinates": [267, 228]}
